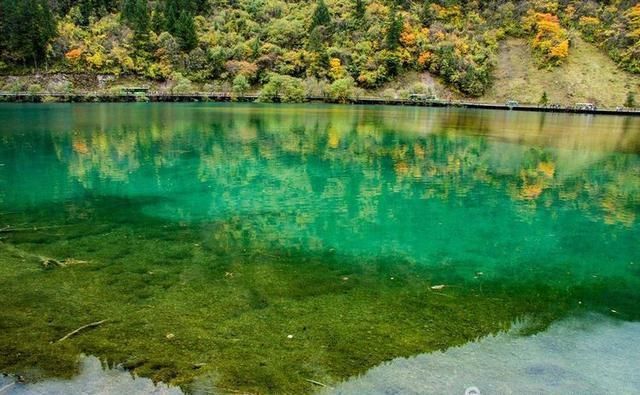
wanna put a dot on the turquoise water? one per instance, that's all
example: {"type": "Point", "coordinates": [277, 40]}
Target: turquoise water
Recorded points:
{"type": "Point", "coordinates": [346, 206]}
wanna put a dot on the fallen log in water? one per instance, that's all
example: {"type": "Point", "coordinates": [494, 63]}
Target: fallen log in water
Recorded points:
{"type": "Point", "coordinates": [46, 262]}
{"type": "Point", "coordinates": [9, 229]}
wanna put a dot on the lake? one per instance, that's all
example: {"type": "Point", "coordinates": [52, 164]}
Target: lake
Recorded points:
{"type": "Point", "coordinates": [285, 248]}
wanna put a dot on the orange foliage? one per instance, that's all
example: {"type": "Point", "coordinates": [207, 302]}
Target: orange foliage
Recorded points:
{"type": "Point", "coordinates": [80, 147]}
{"type": "Point", "coordinates": [74, 54]}
{"type": "Point", "coordinates": [551, 40]}
{"type": "Point", "coordinates": [407, 37]}
{"type": "Point", "coordinates": [424, 58]}
{"type": "Point", "coordinates": [634, 21]}
{"type": "Point", "coordinates": [401, 168]}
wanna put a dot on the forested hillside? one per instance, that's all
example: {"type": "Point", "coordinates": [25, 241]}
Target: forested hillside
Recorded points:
{"type": "Point", "coordinates": [322, 46]}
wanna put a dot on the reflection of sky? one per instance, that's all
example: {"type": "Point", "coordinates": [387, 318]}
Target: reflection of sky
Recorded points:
{"type": "Point", "coordinates": [93, 379]}
{"type": "Point", "coordinates": [587, 355]}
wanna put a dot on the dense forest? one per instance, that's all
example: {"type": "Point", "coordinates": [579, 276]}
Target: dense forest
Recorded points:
{"type": "Point", "coordinates": [291, 47]}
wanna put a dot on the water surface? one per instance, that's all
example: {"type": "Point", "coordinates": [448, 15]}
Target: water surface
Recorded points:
{"type": "Point", "coordinates": [258, 247]}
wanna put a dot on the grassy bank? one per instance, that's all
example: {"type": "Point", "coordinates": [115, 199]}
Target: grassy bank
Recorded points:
{"type": "Point", "coordinates": [588, 75]}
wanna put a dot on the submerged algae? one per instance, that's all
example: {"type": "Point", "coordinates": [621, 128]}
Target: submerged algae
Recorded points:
{"type": "Point", "coordinates": [257, 320]}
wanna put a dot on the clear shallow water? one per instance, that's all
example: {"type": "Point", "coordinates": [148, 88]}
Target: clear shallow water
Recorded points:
{"type": "Point", "coordinates": [586, 355]}
{"type": "Point", "coordinates": [94, 379]}
{"type": "Point", "coordinates": [327, 223]}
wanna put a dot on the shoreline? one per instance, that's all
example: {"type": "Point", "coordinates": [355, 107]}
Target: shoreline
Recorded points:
{"type": "Point", "coordinates": [24, 97]}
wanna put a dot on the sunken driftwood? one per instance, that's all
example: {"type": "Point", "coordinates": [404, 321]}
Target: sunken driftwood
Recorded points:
{"type": "Point", "coordinates": [46, 262]}
{"type": "Point", "coordinates": [9, 229]}
{"type": "Point", "coordinates": [318, 383]}
{"type": "Point", "coordinates": [83, 327]}
{"type": "Point", "coordinates": [49, 263]}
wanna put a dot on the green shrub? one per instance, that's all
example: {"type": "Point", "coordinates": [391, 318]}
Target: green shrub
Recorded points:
{"type": "Point", "coordinates": [34, 89]}
{"type": "Point", "coordinates": [63, 86]}
{"type": "Point", "coordinates": [240, 86]}
{"type": "Point", "coordinates": [630, 102]}
{"type": "Point", "coordinates": [342, 90]}
{"type": "Point", "coordinates": [283, 89]}
{"type": "Point", "coordinates": [181, 84]}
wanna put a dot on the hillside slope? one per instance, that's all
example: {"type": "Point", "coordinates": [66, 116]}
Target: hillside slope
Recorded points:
{"type": "Point", "coordinates": [587, 75]}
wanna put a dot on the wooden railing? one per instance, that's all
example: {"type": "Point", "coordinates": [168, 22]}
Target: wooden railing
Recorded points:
{"type": "Point", "coordinates": [227, 96]}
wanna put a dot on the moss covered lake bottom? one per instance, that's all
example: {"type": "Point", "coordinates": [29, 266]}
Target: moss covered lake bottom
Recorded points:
{"type": "Point", "coordinates": [265, 249]}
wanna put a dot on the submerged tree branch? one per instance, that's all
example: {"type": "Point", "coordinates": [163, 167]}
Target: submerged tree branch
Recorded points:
{"type": "Point", "coordinates": [83, 327]}
{"type": "Point", "coordinates": [318, 383]}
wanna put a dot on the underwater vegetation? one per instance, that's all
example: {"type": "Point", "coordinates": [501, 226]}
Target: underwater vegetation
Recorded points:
{"type": "Point", "coordinates": [267, 249]}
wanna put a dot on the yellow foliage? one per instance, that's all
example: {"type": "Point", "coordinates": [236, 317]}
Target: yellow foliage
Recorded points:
{"type": "Point", "coordinates": [461, 47]}
{"type": "Point", "coordinates": [97, 60]}
{"type": "Point", "coordinates": [335, 69]}
{"type": "Point", "coordinates": [561, 50]}
{"type": "Point", "coordinates": [334, 138]}
{"type": "Point", "coordinates": [547, 168]}
{"type": "Point", "coordinates": [123, 58]}
{"type": "Point", "coordinates": [589, 21]}
{"type": "Point", "coordinates": [531, 191]}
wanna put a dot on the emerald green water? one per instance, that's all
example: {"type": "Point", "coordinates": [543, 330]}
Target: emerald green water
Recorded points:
{"type": "Point", "coordinates": [254, 247]}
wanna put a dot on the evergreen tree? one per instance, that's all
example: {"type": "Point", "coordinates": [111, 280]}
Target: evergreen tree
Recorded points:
{"type": "Point", "coordinates": [171, 15]}
{"type": "Point", "coordinates": [630, 102]}
{"type": "Point", "coordinates": [136, 14]}
{"type": "Point", "coordinates": [26, 28]}
{"type": "Point", "coordinates": [128, 10]}
{"type": "Point", "coordinates": [321, 16]}
{"type": "Point", "coordinates": [394, 29]}
{"type": "Point", "coordinates": [359, 11]}
{"type": "Point", "coordinates": [141, 17]}
{"type": "Point", "coordinates": [185, 31]}
{"type": "Point", "coordinates": [544, 100]}
{"type": "Point", "coordinates": [158, 20]}
{"type": "Point", "coordinates": [86, 9]}
{"type": "Point", "coordinates": [255, 48]}
{"type": "Point", "coordinates": [426, 14]}
{"type": "Point", "coordinates": [173, 10]}
{"type": "Point", "coordinates": [316, 40]}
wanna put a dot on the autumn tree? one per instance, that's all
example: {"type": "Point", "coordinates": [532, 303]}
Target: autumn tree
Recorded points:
{"type": "Point", "coordinates": [551, 41]}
